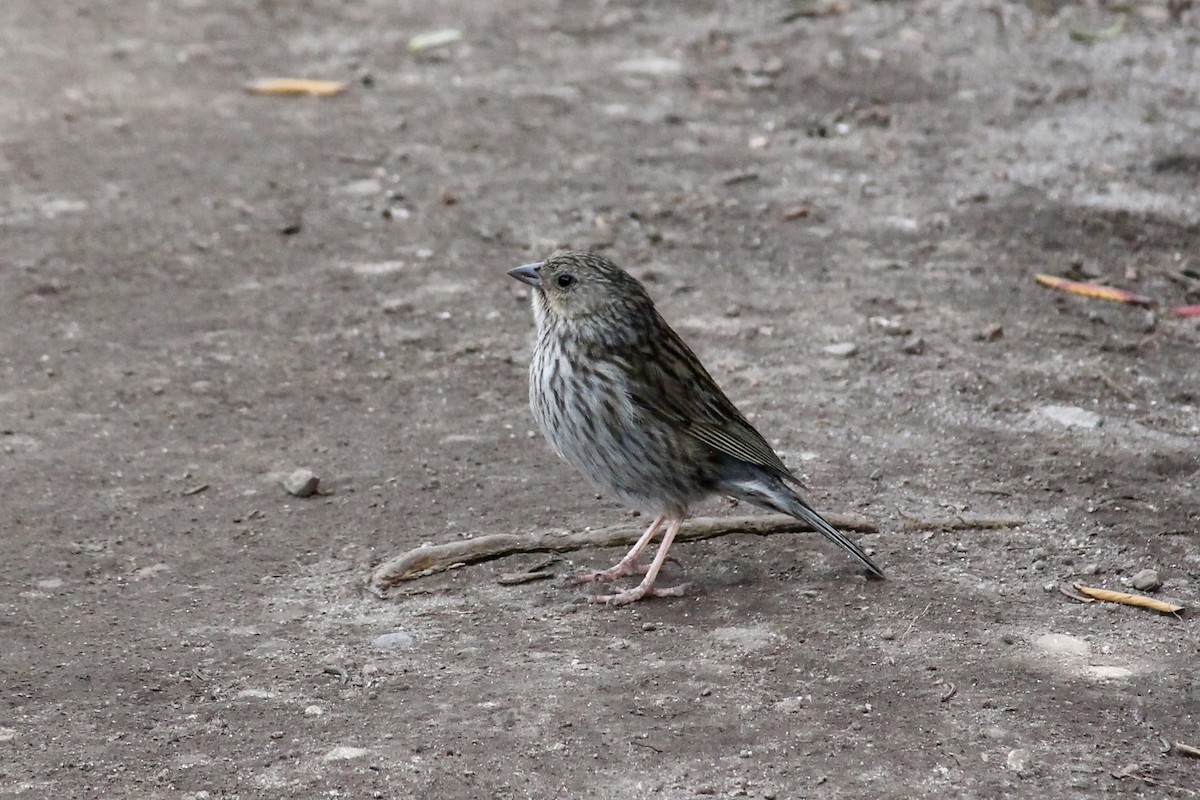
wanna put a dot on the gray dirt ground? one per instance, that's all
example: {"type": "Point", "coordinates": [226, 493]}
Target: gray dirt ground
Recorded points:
{"type": "Point", "coordinates": [203, 288]}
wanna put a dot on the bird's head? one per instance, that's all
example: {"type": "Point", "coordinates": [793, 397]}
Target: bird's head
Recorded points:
{"type": "Point", "coordinates": [584, 288]}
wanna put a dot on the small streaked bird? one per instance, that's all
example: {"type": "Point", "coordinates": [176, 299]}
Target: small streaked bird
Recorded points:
{"type": "Point", "coordinates": [621, 398]}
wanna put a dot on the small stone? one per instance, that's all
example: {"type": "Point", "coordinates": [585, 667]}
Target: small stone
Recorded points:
{"type": "Point", "coordinates": [1063, 644]}
{"type": "Point", "coordinates": [345, 753]}
{"type": "Point", "coordinates": [913, 345]}
{"type": "Point", "coordinates": [150, 571]}
{"type": "Point", "coordinates": [651, 65]}
{"type": "Point", "coordinates": [1147, 581]}
{"type": "Point", "coordinates": [314, 711]}
{"type": "Point", "coordinates": [841, 349]}
{"type": "Point", "coordinates": [7, 734]}
{"type": "Point", "coordinates": [888, 326]}
{"type": "Point", "coordinates": [992, 333]}
{"type": "Point", "coordinates": [1110, 673]}
{"type": "Point", "coordinates": [398, 640]}
{"type": "Point", "coordinates": [1018, 760]}
{"type": "Point", "coordinates": [887, 635]}
{"type": "Point", "coordinates": [362, 188]}
{"type": "Point", "coordinates": [649, 626]}
{"type": "Point", "coordinates": [1072, 416]}
{"type": "Point", "coordinates": [396, 305]}
{"type": "Point", "coordinates": [301, 483]}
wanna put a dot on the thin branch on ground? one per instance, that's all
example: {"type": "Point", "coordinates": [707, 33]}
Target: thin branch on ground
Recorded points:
{"type": "Point", "coordinates": [431, 559]}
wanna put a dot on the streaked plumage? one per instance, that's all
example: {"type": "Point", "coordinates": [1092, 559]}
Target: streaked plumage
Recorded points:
{"type": "Point", "coordinates": [621, 398]}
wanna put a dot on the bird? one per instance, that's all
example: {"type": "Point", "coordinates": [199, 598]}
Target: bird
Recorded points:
{"type": "Point", "coordinates": [621, 398]}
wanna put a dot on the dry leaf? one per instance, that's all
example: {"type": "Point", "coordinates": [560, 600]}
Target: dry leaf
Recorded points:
{"type": "Point", "coordinates": [1094, 290]}
{"type": "Point", "coordinates": [1124, 598]}
{"type": "Point", "coordinates": [1102, 35]}
{"type": "Point", "coordinates": [295, 87]}
{"type": "Point", "coordinates": [431, 39]}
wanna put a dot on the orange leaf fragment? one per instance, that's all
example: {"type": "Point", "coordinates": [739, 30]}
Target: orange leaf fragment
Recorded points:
{"type": "Point", "coordinates": [1186, 311]}
{"type": "Point", "coordinates": [295, 87]}
{"type": "Point", "coordinates": [1141, 601]}
{"type": "Point", "coordinates": [1094, 290]}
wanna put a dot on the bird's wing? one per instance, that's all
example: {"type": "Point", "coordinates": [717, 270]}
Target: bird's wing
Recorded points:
{"type": "Point", "coordinates": [679, 390]}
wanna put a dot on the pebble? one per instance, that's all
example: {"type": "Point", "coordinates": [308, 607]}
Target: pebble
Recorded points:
{"type": "Point", "coordinates": [345, 753]}
{"type": "Point", "coordinates": [397, 640]}
{"type": "Point", "coordinates": [314, 711]}
{"type": "Point", "coordinates": [1062, 643]}
{"type": "Point", "coordinates": [1018, 760]}
{"type": "Point", "coordinates": [1071, 416]}
{"type": "Point", "coordinates": [1147, 581]}
{"type": "Point", "coordinates": [914, 345]}
{"type": "Point", "coordinates": [841, 349]}
{"type": "Point", "coordinates": [1109, 673]}
{"type": "Point", "coordinates": [888, 326]}
{"type": "Point", "coordinates": [992, 333]}
{"type": "Point", "coordinates": [651, 65]}
{"type": "Point", "coordinates": [301, 483]}
{"type": "Point", "coordinates": [362, 188]}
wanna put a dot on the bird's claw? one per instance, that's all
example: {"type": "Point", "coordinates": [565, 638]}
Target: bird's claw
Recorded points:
{"type": "Point", "coordinates": [613, 573]}
{"type": "Point", "coordinates": [639, 593]}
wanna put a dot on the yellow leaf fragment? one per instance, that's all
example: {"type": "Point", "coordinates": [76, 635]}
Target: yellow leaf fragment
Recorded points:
{"type": "Point", "coordinates": [1141, 601]}
{"type": "Point", "coordinates": [1102, 35]}
{"type": "Point", "coordinates": [431, 39]}
{"type": "Point", "coordinates": [1094, 290]}
{"type": "Point", "coordinates": [295, 87]}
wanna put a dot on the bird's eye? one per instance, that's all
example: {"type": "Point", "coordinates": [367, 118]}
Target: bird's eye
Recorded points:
{"type": "Point", "coordinates": [566, 281]}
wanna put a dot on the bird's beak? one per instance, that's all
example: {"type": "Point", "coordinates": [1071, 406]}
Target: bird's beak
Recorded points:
{"type": "Point", "coordinates": [528, 273]}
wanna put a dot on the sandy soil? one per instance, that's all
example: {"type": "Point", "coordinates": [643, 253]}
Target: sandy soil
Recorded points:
{"type": "Point", "coordinates": [203, 290]}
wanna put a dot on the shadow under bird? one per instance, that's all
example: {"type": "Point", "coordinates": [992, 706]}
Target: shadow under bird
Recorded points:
{"type": "Point", "coordinates": [621, 398]}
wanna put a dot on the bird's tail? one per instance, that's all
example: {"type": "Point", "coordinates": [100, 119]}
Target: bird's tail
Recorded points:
{"type": "Point", "coordinates": [802, 511]}
{"type": "Point", "coordinates": [771, 492]}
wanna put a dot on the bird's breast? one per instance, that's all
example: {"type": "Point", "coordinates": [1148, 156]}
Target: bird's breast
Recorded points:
{"type": "Point", "coordinates": [582, 403]}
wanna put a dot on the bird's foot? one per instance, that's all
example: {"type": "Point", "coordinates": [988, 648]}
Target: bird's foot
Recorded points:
{"type": "Point", "coordinates": [618, 570]}
{"type": "Point", "coordinates": [640, 592]}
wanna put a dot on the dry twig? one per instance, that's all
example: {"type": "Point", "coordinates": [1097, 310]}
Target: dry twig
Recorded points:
{"type": "Point", "coordinates": [1187, 750]}
{"type": "Point", "coordinates": [431, 559]}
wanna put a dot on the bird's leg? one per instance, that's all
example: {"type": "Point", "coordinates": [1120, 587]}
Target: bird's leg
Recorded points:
{"type": "Point", "coordinates": [646, 587]}
{"type": "Point", "coordinates": [627, 565]}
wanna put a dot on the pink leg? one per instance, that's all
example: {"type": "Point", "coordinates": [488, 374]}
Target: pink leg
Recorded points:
{"type": "Point", "coordinates": [627, 565]}
{"type": "Point", "coordinates": [646, 587]}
